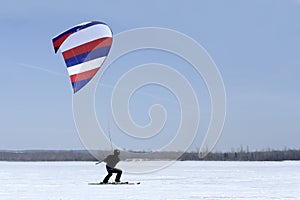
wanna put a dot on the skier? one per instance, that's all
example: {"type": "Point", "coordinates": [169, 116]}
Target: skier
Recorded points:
{"type": "Point", "coordinates": [111, 162]}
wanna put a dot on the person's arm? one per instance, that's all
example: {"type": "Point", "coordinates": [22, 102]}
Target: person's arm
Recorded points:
{"type": "Point", "coordinates": [104, 160]}
{"type": "Point", "coordinates": [99, 162]}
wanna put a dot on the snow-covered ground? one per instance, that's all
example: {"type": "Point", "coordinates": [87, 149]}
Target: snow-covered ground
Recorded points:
{"type": "Point", "coordinates": [182, 180]}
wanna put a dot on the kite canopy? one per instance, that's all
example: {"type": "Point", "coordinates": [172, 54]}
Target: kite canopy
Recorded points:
{"type": "Point", "coordinates": [84, 48]}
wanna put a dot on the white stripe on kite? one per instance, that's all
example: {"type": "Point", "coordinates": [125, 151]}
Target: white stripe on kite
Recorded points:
{"type": "Point", "coordinates": [86, 35]}
{"type": "Point", "coordinates": [86, 66]}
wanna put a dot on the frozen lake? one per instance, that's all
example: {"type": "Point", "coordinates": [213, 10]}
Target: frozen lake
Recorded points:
{"type": "Point", "coordinates": [182, 180]}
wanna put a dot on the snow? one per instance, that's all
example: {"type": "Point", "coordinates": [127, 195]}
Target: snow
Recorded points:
{"type": "Point", "coordinates": [182, 180]}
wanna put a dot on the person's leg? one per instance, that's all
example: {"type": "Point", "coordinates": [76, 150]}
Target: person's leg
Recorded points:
{"type": "Point", "coordinates": [105, 180]}
{"type": "Point", "coordinates": [119, 173]}
{"type": "Point", "coordinates": [109, 171]}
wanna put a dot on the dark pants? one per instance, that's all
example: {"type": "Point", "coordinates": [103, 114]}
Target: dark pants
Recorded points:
{"type": "Point", "coordinates": [110, 173]}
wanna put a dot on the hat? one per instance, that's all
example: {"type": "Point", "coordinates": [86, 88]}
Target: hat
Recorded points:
{"type": "Point", "coordinates": [117, 151]}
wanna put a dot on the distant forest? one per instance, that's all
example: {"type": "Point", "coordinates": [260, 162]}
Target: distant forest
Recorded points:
{"type": "Point", "coordinates": [82, 155]}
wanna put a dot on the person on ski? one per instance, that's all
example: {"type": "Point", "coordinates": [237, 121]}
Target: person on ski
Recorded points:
{"type": "Point", "coordinates": [111, 161]}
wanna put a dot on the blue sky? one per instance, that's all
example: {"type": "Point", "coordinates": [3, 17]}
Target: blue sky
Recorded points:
{"type": "Point", "coordinates": [255, 45]}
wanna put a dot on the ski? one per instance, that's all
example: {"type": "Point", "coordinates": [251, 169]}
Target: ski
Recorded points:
{"type": "Point", "coordinates": [116, 183]}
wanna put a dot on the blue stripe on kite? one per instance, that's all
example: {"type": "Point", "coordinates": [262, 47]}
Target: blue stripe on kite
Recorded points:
{"type": "Point", "coordinates": [79, 84]}
{"type": "Point", "coordinates": [97, 53]}
{"type": "Point", "coordinates": [77, 28]}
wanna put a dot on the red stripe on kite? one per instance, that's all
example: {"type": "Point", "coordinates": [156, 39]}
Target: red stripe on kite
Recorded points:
{"type": "Point", "coordinates": [84, 75]}
{"type": "Point", "coordinates": [87, 47]}
{"type": "Point", "coordinates": [58, 42]}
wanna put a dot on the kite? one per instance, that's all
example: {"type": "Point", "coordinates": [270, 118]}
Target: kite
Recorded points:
{"type": "Point", "coordinates": [84, 48]}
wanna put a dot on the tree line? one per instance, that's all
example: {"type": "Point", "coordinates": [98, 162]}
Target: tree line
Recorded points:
{"type": "Point", "coordinates": [83, 155]}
